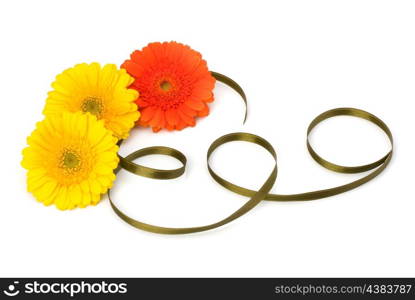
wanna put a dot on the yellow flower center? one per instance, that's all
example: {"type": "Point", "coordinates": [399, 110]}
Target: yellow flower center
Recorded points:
{"type": "Point", "coordinates": [72, 165]}
{"type": "Point", "coordinates": [70, 161]}
{"type": "Point", "coordinates": [92, 105]}
{"type": "Point", "coordinates": [165, 85]}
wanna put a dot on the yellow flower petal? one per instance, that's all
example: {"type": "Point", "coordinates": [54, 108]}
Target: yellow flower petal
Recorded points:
{"type": "Point", "coordinates": [61, 198]}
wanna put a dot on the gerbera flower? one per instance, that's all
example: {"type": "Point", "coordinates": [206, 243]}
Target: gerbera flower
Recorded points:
{"type": "Point", "coordinates": [70, 160]}
{"type": "Point", "coordinates": [174, 82]}
{"type": "Point", "coordinates": [102, 92]}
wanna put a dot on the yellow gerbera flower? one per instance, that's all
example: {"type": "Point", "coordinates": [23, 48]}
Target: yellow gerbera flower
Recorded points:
{"type": "Point", "coordinates": [102, 92]}
{"type": "Point", "coordinates": [70, 160]}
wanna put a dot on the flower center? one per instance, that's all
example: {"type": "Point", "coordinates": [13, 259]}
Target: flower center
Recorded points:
{"type": "Point", "coordinates": [70, 161]}
{"type": "Point", "coordinates": [92, 105]}
{"type": "Point", "coordinates": [165, 85]}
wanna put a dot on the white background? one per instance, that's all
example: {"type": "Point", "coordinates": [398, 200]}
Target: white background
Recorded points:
{"type": "Point", "coordinates": [295, 59]}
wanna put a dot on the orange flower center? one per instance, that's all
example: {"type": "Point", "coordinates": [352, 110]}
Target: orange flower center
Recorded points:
{"type": "Point", "coordinates": [167, 90]}
{"type": "Point", "coordinates": [93, 105]}
{"type": "Point", "coordinates": [165, 85]}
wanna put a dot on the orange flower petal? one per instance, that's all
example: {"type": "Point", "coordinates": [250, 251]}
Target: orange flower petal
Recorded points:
{"type": "Point", "coordinates": [155, 121]}
{"type": "Point", "coordinates": [204, 112]}
{"type": "Point", "coordinates": [194, 104]}
{"type": "Point", "coordinates": [156, 49]}
{"type": "Point", "coordinates": [187, 110]}
{"type": "Point", "coordinates": [146, 58]}
{"type": "Point", "coordinates": [141, 103]}
{"type": "Point", "coordinates": [169, 127]}
{"type": "Point", "coordinates": [172, 117]}
{"type": "Point", "coordinates": [210, 99]}
{"type": "Point", "coordinates": [134, 69]}
{"type": "Point", "coordinates": [188, 120]}
{"type": "Point", "coordinates": [148, 113]}
{"type": "Point", "coordinates": [174, 51]}
{"type": "Point", "coordinates": [162, 122]}
{"type": "Point", "coordinates": [181, 125]}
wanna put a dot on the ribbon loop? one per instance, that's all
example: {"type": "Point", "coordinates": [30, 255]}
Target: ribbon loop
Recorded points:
{"type": "Point", "coordinates": [128, 164]}
{"type": "Point", "coordinates": [354, 112]}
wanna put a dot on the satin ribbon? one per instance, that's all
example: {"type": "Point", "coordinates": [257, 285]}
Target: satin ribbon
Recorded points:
{"type": "Point", "coordinates": [263, 193]}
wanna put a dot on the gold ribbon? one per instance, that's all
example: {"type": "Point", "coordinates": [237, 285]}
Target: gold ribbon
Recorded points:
{"type": "Point", "coordinates": [263, 193]}
{"type": "Point", "coordinates": [235, 86]}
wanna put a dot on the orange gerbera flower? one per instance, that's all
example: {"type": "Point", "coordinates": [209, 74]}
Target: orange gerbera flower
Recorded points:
{"type": "Point", "coordinates": [174, 82]}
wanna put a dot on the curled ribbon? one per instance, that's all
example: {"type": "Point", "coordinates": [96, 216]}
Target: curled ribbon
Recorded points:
{"type": "Point", "coordinates": [263, 193]}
